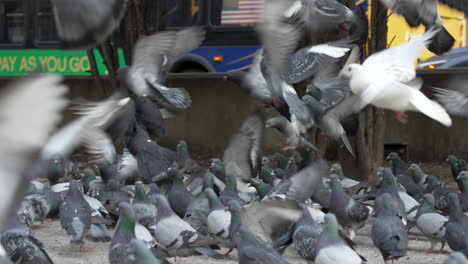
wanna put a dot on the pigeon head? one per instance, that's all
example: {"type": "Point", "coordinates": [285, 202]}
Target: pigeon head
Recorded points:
{"type": "Point", "coordinates": [393, 156]}
{"type": "Point", "coordinates": [74, 189]}
{"type": "Point", "coordinates": [335, 182]}
{"type": "Point", "coordinates": [428, 200]}
{"type": "Point", "coordinates": [182, 146]}
{"type": "Point", "coordinates": [388, 179]}
{"type": "Point", "coordinates": [353, 69]}
{"type": "Point", "coordinates": [276, 122]}
{"type": "Point", "coordinates": [463, 176]}
{"type": "Point", "coordinates": [313, 104]}
{"type": "Point", "coordinates": [162, 204]}
{"type": "Point", "coordinates": [127, 221]}
{"type": "Point", "coordinates": [337, 169]}
{"type": "Point", "coordinates": [213, 200]}
{"type": "Point", "coordinates": [430, 180]}
{"type": "Point", "coordinates": [414, 168]}
{"type": "Point", "coordinates": [231, 183]}
{"type": "Point", "coordinates": [331, 226]}
{"type": "Point", "coordinates": [265, 161]}
{"type": "Point", "coordinates": [451, 159]}
{"type": "Point", "coordinates": [140, 194]}
{"type": "Point", "coordinates": [175, 174]}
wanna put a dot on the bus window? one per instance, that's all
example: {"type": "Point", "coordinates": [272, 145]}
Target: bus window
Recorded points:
{"type": "Point", "coordinates": [236, 12]}
{"type": "Point", "coordinates": [12, 20]}
{"type": "Point", "coordinates": [45, 26]}
{"type": "Point", "coordinates": [178, 13]}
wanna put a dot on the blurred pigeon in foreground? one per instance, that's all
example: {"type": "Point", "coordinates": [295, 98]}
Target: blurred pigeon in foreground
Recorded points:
{"type": "Point", "coordinates": [456, 258]}
{"type": "Point", "coordinates": [24, 130]}
{"type": "Point", "coordinates": [84, 24]}
{"type": "Point", "coordinates": [417, 12]}
{"type": "Point", "coordinates": [22, 246]}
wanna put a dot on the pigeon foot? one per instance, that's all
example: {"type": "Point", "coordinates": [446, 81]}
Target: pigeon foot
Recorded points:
{"type": "Point", "coordinates": [401, 117]}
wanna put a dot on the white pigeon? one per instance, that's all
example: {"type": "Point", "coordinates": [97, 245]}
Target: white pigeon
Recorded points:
{"type": "Point", "coordinates": [387, 79]}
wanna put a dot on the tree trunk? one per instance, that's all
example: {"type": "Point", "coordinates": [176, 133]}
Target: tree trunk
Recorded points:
{"type": "Point", "coordinates": [369, 142]}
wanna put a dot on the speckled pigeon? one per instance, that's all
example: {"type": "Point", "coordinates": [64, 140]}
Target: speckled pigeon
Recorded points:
{"type": "Point", "coordinates": [145, 211]}
{"type": "Point", "coordinates": [22, 245]}
{"type": "Point", "coordinates": [351, 215]}
{"type": "Point", "coordinates": [301, 185]}
{"type": "Point", "coordinates": [75, 215]}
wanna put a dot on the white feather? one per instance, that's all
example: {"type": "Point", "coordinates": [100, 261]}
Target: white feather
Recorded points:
{"type": "Point", "coordinates": [332, 51]}
{"type": "Point", "coordinates": [219, 220]}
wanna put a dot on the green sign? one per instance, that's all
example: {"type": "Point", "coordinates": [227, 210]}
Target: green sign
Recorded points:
{"type": "Point", "coordinates": [18, 62]}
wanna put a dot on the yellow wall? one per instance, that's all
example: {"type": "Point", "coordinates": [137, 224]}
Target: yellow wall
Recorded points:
{"type": "Point", "coordinates": [454, 22]}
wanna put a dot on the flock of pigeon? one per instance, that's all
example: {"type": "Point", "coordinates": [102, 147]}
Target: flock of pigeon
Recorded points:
{"type": "Point", "coordinates": [165, 204]}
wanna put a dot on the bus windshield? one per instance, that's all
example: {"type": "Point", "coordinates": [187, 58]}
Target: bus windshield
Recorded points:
{"type": "Point", "coordinates": [236, 12]}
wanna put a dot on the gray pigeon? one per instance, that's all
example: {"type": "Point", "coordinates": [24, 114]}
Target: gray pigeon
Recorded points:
{"type": "Point", "coordinates": [218, 219]}
{"type": "Point", "coordinates": [55, 169]}
{"type": "Point", "coordinates": [46, 205]}
{"type": "Point", "coordinates": [249, 248]}
{"type": "Point", "coordinates": [301, 185]}
{"type": "Point", "coordinates": [262, 188]}
{"type": "Point", "coordinates": [148, 115]}
{"type": "Point", "coordinates": [425, 13]}
{"type": "Point", "coordinates": [256, 86]}
{"type": "Point", "coordinates": [322, 193]}
{"type": "Point", "coordinates": [389, 185]}
{"type": "Point", "coordinates": [145, 211]}
{"type": "Point", "coordinates": [280, 160]}
{"type": "Point", "coordinates": [456, 229]}
{"type": "Point", "coordinates": [75, 215]}
{"type": "Point", "coordinates": [230, 191]}
{"type": "Point", "coordinates": [179, 196]}
{"type": "Point", "coordinates": [22, 246]}
{"type": "Point", "coordinates": [403, 177]}
{"type": "Point", "coordinates": [440, 193]}
{"type": "Point", "coordinates": [183, 158]}
{"type": "Point", "coordinates": [456, 258]}
{"type": "Point", "coordinates": [152, 159]}
{"type": "Point", "coordinates": [294, 137]}
{"type": "Point", "coordinates": [17, 159]}
{"type": "Point", "coordinates": [120, 251]}
{"type": "Point", "coordinates": [351, 215]}
{"type": "Point", "coordinates": [419, 177]}
{"type": "Point", "coordinates": [388, 232]}
{"type": "Point", "coordinates": [242, 157]}
{"type": "Point", "coordinates": [113, 196]}
{"type": "Point", "coordinates": [431, 223]}
{"type": "Point", "coordinates": [171, 232]}
{"type": "Point", "coordinates": [78, 32]}
{"type": "Point", "coordinates": [26, 213]}
{"type": "Point", "coordinates": [463, 177]}
{"type": "Point", "coordinates": [153, 58]}
{"type": "Point", "coordinates": [217, 168]}
{"type": "Point", "coordinates": [331, 248]}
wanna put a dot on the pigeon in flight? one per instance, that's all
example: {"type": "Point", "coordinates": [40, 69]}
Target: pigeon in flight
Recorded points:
{"type": "Point", "coordinates": [387, 79]}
